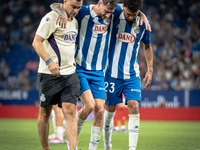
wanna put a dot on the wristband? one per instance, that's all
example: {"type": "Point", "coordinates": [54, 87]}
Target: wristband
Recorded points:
{"type": "Point", "coordinates": [48, 61]}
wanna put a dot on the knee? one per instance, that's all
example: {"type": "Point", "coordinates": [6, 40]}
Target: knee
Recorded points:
{"type": "Point", "coordinates": [99, 112]}
{"type": "Point", "coordinates": [69, 109]}
{"type": "Point", "coordinates": [133, 109]}
{"type": "Point", "coordinates": [44, 114]}
{"type": "Point", "coordinates": [89, 107]}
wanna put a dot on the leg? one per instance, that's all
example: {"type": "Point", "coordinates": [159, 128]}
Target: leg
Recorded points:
{"type": "Point", "coordinates": [59, 121]}
{"type": "Point", "coordinates": [58, 136]}
{"type": "Point", "coordinates": [122, 117]}
{"type": "Point", "coordinates": [88, 104]}
{"type": "Point", "coordinates": [97, 123]}
{"type": "Point", "coordinates": [53, 119]}
{"type": "Point", "coordinates": [69, 110]}
{"type": "Point", "coordinates": [87, 107]}
{"type": "Point", "coordinates": [43, 125]}
{"type": "Point", "coordinates": [115, 119]}
{"type": "Point", "coordinates": [134, 122]}
{"type": "Point", "coordinates": [108, 125]}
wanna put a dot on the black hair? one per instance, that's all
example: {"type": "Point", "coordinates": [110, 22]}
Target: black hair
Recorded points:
{"type": "Point", "coordinates": [133, 5]}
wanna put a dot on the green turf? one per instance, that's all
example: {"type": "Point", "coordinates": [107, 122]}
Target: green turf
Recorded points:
{"type": "Point", "coordinates": [23, 135]}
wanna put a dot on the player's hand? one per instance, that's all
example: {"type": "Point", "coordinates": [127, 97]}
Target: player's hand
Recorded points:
{"type": "Point", "coordinates": [143, 19]}
{"type": "Point", "coordinates": [62, 19]}
{"type": "Point", "coordinates": [148, 78]}
{"type": "Point", "coordinates": [54, 68]}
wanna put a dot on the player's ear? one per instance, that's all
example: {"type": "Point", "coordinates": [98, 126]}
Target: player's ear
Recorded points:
{"type": "Point", "coordinates": [100, 2]}
{"type": "Point", "coordinates": [64, 1]}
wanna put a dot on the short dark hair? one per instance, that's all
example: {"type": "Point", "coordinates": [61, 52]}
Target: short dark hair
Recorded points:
{"type": "Point", "coordinates": [133, 5]}
{"type": "Point", "coordinates": [112, 3]}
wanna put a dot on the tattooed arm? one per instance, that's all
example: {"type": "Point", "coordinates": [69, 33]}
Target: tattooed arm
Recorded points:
{"type": "Point", "coordinates": [62, 18]}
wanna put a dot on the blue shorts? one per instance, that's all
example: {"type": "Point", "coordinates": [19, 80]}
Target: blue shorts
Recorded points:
{"type": "Point", "coordinates": [131, 88]}
{"type": "Point", "coordinates": [92, 80]}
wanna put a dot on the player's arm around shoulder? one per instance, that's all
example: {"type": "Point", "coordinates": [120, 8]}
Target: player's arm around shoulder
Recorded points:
{"type": "Point", "coordinates": [62, 17]}
{"type": "Point", "coordinates": [143, 19]}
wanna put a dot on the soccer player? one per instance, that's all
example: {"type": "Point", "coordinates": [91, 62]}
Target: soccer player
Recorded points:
{"type": "Point", "coordinates": [122, 74]}
{"type": "Point", "coordinates": [57, 78]}
{"type": "Point", "coordinates": [95, 24]}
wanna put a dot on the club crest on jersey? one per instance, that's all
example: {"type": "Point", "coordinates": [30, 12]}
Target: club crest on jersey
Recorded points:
{"type": "Point", "coordinates": [137, 30]}
{"type": "Point", "coordinates": [100, 28]}
{"type": "Point", "coordinates": [70, 37]}
{"type": "Point", "coordinates": [125, 37]}
{"type": "Point", "coordinates": [108, 20]}
{"type": "Point", "coordinates": [42, 97]}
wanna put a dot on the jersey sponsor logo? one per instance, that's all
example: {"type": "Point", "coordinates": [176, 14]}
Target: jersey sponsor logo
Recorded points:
{"type": "Point", "coordinates": [70, 37]}
{"type": "Point", "coordinates": [126, 37]}
{"type": "Point", "coordinates": [100, 28]}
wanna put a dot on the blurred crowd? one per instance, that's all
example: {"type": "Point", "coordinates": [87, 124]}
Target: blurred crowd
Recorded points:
{"type": "Point", "coordinates": [175, 41]}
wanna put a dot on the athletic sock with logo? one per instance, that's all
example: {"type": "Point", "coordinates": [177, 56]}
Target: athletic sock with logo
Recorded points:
{"type": "Point", "coordinates": [80, 123]}
{"type": "Point", "coordinates": [133, 127]}
{"type": "Point", "coordinates": [107, 129]}
{"type": "Point", "coordinates": [95, 136]}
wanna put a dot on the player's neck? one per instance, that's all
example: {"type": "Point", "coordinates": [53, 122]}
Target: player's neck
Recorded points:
{"type": "Point", "coordinates": [69, 18]}
{"type": "Point", "coordinates": [95, 9]}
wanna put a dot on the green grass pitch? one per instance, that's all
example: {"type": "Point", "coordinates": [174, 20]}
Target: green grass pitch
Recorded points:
{"type": "Point", "coordinates": [153, 135]}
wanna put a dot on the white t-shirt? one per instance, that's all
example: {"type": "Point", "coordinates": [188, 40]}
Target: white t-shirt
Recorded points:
{"type": "Point", "coordinates": [59, 43]}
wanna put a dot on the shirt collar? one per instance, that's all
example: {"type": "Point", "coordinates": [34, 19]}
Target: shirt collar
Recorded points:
{"type": "Point", "coordinates": [122, 15]}
{"type": "Point", "coordinates": [137, 19]}
{"type": "Point", "coordinates": [93, 14]}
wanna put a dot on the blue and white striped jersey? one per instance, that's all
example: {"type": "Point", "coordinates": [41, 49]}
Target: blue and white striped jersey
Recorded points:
{"type": "Point", "coordinates": [93, 38]}
{"type": "Point", "coordinates": [123, 62]}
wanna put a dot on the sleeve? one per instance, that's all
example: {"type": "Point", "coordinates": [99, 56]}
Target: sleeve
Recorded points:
{"type": "Point", "coordinates": [47, 25]}
{"type": "Point", "coordinates": [82, 12]}
{"type": "Point", "coordinates": [117, 11]}
{"type": "Point", "coordinates": [146, 39]}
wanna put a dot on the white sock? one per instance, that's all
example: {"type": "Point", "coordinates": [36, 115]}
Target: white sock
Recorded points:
{"type": "Point", "coordinates": [107, 129]}
{"type": "Point", "coordinates": [117, 127]}
{"type": "Point", "coordinates": [95, 136]}
{"type": "Point", "coordinates": [80, 123]}
{"type": "Point", "coordinates": [133, 127]}
{"type": "Point", "coordinates": [53, 120]}
{"type": "Point", "coordinates": [59, 132]}
{"type": "Point", "coordinates": [123, 127]}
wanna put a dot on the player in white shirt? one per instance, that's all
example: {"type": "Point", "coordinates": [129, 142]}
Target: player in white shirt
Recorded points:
{"type": "Point", "coordinates": [122, 73]}
{"type": "Point", "coordinates": [95, 25]}
{"type": "Point", "coordinates": [57, 78]}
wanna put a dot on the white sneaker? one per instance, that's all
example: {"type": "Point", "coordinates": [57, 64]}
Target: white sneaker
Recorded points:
{"type": "Point", "coordinates": [56, 141]}
{"type": "Point", "coordinates": [132, 148]}
{"type": "Point", "coordinates": [52, 136]}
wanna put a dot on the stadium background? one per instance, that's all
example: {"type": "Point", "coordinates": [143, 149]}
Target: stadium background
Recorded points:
{"type": "Point", "coordinates": [175, 90]}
